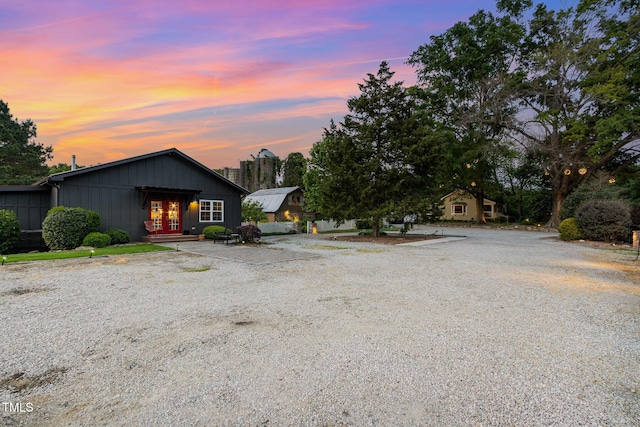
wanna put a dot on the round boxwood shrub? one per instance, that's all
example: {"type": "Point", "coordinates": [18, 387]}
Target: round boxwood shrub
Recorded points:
{"type": "Point", "coordinates": [211, 230]}
{"type": "Point", "coordinates": [363, 224]}
{"type": "Point", "coordinates": [55, 209]}
{"type": "Point", "coordinates": [248, 233]}
{"type": "Point", "coordinates": [9, 230]}
{"type": "Point", "coordinates": [569, 229]}
{"type": "Point", "coordinates": [118, 237]}
{"type": "Point", "coordinates": [65, 228]}
{"type": "Point", "coordinates": [604, 220]}
{"type": "Point", "coordinates": [93, 219]}
{"type": "Point", "coordinates": [97, 240]}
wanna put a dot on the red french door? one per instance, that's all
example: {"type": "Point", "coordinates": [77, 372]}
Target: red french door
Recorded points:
{"type": "Point", "coordinates": [166, 216]}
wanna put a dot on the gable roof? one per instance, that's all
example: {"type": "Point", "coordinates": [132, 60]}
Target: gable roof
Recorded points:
{"type": "Point", "coordinates": [462, 194]}
{"type": "Point", "coordinates": [61, 176]}
{"type": "Point", "coordinates": [271, 199]}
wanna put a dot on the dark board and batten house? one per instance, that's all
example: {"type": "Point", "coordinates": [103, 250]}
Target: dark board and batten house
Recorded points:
{"type": "Point", "coordinates": [30, 204]}
{"type": "Point", "coordinates": [178, 194]}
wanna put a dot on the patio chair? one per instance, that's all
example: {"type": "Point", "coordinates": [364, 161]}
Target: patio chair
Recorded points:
{"type": "Point", "coordinates": [151, 229]}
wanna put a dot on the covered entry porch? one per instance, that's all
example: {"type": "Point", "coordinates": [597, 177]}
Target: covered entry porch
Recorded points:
{"type": "Point", "coordinates": [165, 214]}
{"type": "Point", "coordinates": [166, 238]}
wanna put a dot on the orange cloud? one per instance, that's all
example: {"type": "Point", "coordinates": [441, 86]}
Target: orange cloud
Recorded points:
{"type": "Point", "coordinates": [201, 76]}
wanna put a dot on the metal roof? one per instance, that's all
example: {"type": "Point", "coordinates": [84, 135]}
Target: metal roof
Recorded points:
{"type": "Point", "coordinates": [264, 153]}
{"type": "Point", "coordinates": [271, 198]}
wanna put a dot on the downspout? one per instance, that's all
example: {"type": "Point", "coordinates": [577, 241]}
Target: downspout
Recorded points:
{"type": "Point", "coordinates": [54, 195]}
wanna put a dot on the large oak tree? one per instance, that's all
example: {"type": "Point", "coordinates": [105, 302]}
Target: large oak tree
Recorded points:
{"type": "Point", "coordinates": [580, 97]}
{"type": "Point", "coordinates": [563, 85]}
{"type": "Point", "coordinates": [464, 76]}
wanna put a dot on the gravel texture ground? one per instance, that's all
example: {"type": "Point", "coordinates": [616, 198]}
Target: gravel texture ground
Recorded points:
{"type": "Point", "coordinates": [501, 328]}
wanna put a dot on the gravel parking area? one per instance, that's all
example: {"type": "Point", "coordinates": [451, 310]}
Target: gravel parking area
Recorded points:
{"type": "Point", "coordinates": [501, 328]}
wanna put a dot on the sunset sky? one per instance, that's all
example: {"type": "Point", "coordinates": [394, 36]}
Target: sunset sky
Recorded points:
{"type": "Point", "coordinates": [218, 80]}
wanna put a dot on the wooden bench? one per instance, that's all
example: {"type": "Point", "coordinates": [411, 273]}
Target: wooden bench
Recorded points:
{"type": "Point", "coordinates": [227, 236]}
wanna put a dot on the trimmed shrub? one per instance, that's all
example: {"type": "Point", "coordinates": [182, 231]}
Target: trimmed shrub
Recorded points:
{"type": "Point", "coordinates": [211, 230]}
{"type": "Point", "coordinates": [604, 220]}
{"type": "Point", "coordinates": [363, 224]}
{"type": "Point", "coordinates": [569, 229]}
{"type": "Point", "coordinates": [118, 237]}
{"type": "Point", "coordinates": [93, 219]}
{"type": "Point", "coordinates": [9, 230]}
{"type": "Point", "coordinates": [55, 209]}
{"type": "Point", "coordinates": [65, 228]}
{"type": "Point", "coordinates": [97, 240]}
{"type": "Point", "coordinates": [248, 233]}
{"type": "Point", "coordinates": [597, 188]}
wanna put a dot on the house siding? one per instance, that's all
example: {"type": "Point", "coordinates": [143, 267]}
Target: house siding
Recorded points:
{"type": "Point", "coordinates": [30, 204]}
{"type": "Point", "coordinates": [466, 199]}
{"type": "Point", "coordinates": [112, 193]}
{"type": "Point", "coordinates": [113, 190]}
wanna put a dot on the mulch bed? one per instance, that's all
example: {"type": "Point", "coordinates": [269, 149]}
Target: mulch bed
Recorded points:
{"type": "Point", "coordinates": [389, 239]}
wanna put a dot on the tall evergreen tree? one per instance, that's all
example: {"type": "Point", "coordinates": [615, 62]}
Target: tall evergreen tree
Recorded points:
{"type": "Point", "coordinates": [376, 160]}
{"type": "Point", "coordinates": [22, 160]}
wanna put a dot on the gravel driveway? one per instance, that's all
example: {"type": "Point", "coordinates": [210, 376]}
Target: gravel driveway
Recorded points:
{"type": "Point", "coordinates": [500, 328]}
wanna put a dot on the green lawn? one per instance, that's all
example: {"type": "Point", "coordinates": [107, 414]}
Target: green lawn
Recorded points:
{"type": "Point", "coordinates": [110, 250]}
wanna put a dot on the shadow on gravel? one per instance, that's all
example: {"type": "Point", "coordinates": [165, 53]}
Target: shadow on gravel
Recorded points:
{"type": "Point", "coordinates": [19, 382]}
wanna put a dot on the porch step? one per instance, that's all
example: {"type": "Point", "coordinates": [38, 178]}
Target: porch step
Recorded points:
{"type": "Point", "coordinates": [165, 238]}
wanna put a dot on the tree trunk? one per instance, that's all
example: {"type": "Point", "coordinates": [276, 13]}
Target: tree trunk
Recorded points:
{"type": "Point", "coordinates": [480, 219]}
{"type": "Point", "coordinates": [558, 199]}
{"type": "Point", "coordinates": [375, 227]}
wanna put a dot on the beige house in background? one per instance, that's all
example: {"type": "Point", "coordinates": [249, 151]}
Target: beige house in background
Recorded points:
{"type": "Point", "coordinates": [460, 205]}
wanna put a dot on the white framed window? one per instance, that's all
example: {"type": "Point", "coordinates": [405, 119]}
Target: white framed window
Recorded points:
{"type": "Point", "coordinates": [211, 211]}
{"type": "Point", "coordinates": [458, 209]}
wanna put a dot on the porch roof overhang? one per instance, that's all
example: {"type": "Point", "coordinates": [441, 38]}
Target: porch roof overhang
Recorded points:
{"type": "Point", "coordinates": [184, 192]}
